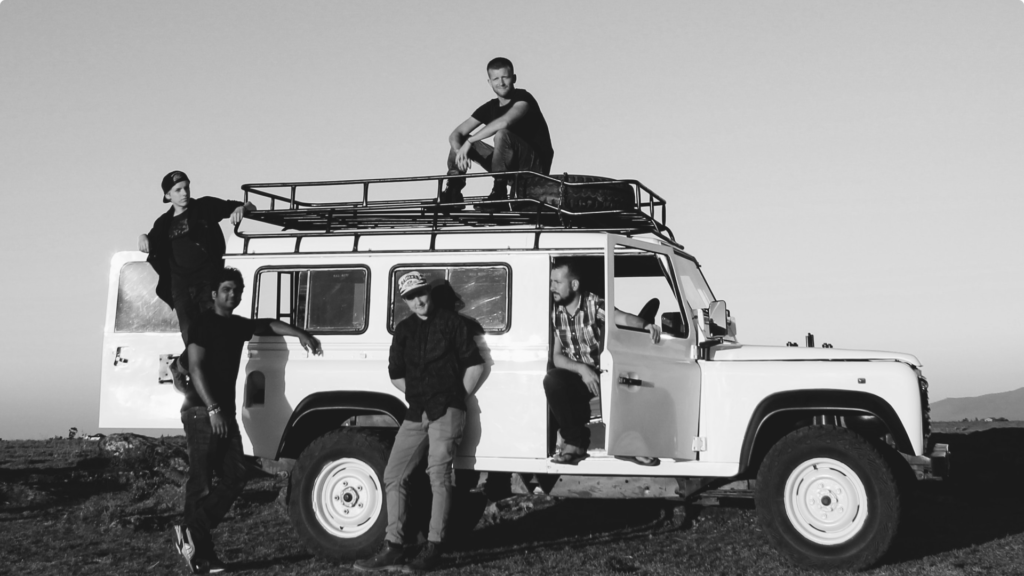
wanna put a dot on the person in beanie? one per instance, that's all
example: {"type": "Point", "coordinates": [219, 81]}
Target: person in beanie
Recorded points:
{"type": "Point", "coordinates": [186, 248]}
{"type": "Point", "coordinates": [435, 361]}
{"type": "Point", "coordinates": [215, 343]}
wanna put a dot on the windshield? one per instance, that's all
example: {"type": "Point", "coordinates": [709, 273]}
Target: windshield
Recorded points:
{"type": "Point", "coordinates": [696, 291]}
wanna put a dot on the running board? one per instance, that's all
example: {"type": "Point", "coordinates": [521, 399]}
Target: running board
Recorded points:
{"type": "Point", "coordinates": [709, 490]}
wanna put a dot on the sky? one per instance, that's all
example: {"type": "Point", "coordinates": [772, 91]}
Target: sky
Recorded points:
{"type": "Point", "coordinates": [846, 168]}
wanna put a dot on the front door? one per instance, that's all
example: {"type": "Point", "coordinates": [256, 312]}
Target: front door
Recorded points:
{"type": "Point", "coordinates": [654, 403]}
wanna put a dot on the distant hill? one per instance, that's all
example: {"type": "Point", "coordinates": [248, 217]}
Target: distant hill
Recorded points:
{"type": "Point", "coordinates": [1009, 405]}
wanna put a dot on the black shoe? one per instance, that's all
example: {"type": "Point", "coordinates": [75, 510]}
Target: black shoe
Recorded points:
{"type": "Point", "coordinates": [428, 559]}
{"type": "Point", "coordinates": [389, 557]}
{"type": "Point", "coordinates": [452, 194]}
{"type": "Point", "coordinates": [185, 546]}
{"type": "Point", "coordinates": [499, 192]}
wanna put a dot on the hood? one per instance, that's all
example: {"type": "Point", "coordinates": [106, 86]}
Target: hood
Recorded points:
{"type": "Point", "coordinates": [741, 352]}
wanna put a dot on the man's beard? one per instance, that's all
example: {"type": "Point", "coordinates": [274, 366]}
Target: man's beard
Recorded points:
{"type": "Point", "coordinates": [563, 301]}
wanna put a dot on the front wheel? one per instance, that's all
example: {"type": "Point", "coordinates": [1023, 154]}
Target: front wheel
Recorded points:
{"type": "Point", "coordinates": [337, 503]}
{"type": "Point", "coordinates": [828, 499]}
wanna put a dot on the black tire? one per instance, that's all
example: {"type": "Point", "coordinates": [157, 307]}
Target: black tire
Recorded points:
{"type": "Point", "coordinates": [822, 525]}
{"type": "Point", "coordinates": [596, 195]}
{"type": "Point", "coordinates": [336, 473]}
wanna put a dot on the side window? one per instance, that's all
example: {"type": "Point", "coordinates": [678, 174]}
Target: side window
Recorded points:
{"type": "Point", "coordinates": [479, 292]}
{"type": "Point", "coordinates": [321, 300]}
{"type": "Point", "coordinates": [644, 287]}
{"type": "Point", "coordinates": [138, 307]}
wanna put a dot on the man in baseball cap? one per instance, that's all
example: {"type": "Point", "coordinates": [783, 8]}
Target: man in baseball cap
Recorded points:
{"type": "Point", "coordinates": [186, 246]}
{"type": "Point", "coordinates": [435, 361]}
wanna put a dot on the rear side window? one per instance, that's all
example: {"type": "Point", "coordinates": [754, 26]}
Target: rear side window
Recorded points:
{"type": "Point", "coordinates": [138, 307]}
{"type": "Point", "coordinates": [320, 300]}
{"type": "Point", "coordinates": [479, 292]}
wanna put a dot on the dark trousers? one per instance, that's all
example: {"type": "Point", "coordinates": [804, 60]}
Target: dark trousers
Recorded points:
{"type": "Point", "coordinates": [209, 455]}
{"type": "Point", "coordinates": [509, 153]}
{"type": "Point", "coordinates": [569, 401]}
{"type": "Point", "coordinates": [190, 300]}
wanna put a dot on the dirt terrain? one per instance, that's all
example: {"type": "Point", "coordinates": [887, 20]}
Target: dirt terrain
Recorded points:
{"type": "Point", "coordinates": [81, 507]}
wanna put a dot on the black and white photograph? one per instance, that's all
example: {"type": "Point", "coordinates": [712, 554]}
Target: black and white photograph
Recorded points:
{"type": "Point", "coordinates": [580, 287]}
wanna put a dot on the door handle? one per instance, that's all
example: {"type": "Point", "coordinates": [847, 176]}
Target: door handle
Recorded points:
{"type": "Point", "coordinates": [626, 380]}
{"type": "Point", "coordinates": [117, 356]}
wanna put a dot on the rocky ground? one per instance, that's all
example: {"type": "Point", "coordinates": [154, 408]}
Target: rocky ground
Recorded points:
{"type": "Point", "coordinates": [106, 507]}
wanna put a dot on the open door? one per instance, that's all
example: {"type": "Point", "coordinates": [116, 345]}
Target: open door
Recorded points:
{"type": "Point", "coordinates": [140, 336]}
{"type": "Point", "coordinates": [654, 403]}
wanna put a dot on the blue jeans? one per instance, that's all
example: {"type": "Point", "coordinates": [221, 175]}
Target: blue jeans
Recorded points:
{"type": "Point", "coordinates": [209, 455]}
{"type": "Point", "coordinates": [437, 441]}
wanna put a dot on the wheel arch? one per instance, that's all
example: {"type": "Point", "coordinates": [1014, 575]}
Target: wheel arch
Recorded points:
{"type": "Point", "coordinates": [322, 412]}
{"type": "Point", "coordinates": [778, 414]}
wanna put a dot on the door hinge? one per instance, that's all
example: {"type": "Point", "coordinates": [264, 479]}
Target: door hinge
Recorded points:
{"type": "Point", "coordinates": [700, 444]}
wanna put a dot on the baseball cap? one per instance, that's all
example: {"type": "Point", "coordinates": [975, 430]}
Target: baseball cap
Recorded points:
{"type": "Point", "coordinates": [411, 282]}
{"type": "Point", "coordinates": [171, 179]}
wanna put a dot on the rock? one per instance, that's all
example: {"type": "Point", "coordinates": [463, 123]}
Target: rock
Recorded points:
{"type": "Point", "coordinates": [136, 452]}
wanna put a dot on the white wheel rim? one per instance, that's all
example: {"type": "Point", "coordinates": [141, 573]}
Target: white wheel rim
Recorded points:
{"type": "Point", "coordinates": [826, 501]}
{"type": "Point", "coordinates": [347, 498]}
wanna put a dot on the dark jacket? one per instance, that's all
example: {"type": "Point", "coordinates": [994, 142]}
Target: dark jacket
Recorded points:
{"type": "Point", "coordinates": [432, 355]}
{"type": "Point", "coordinates": [203, 216]}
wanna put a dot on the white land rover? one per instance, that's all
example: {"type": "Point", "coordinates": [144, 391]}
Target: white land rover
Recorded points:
{"type": "Point", "coordinates": [826, 441]}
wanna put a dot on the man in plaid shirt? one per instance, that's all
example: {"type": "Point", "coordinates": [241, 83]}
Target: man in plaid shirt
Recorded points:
{"type": "Point", "coordinates": [578, 322]}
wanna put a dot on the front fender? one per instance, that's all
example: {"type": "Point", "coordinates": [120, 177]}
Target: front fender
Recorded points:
{"type": "Point", "coordinates": [794, 403]}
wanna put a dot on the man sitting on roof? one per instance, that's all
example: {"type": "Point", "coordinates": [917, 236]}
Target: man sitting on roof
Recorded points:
{"type": "Point", "coordinates": [521, 138]}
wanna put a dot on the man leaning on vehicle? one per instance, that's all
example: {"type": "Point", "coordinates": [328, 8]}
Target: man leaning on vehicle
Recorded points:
{"type": "Point", "coordinates": [435, 361]}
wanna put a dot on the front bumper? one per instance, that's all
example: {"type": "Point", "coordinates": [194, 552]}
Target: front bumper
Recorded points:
{"type": "Point", "coordinates": [934, 466]}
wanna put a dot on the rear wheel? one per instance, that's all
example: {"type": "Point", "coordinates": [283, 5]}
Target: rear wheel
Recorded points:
{"type": "Point", "coordinates": [337, 502]}
{"type": "Point", "coordinates": [828, 499]}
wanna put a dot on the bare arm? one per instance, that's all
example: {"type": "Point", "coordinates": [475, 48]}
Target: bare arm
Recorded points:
{"type": "Point", "coordinates": [631, 321]}
{"type": "Point", "coordinates": [144, 243]}
{"type": "Point", "coordinates": [462, 132]}
{"type": "Point", "coordinates": [309, 342]}
{"type": "Point", "coordinates": [514, 114]}
{"type": "Point", "coordinates": [461, 140]}
{"type": "Point", "coordinates": [241, 211]}
{"type": "Point", "coordinates": [197, 369]}
{"type": "Point", "coordinates": [472, 378]}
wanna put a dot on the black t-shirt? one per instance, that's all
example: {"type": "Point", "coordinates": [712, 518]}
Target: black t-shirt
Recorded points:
{"type": "Point", "coordinates": [223, 338]}
{"type": "Point", "coordinates": [188, 257]}
{"type": "Point", "coordinates": [531, 127]}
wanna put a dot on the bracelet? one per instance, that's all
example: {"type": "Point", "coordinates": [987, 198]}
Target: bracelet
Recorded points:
{"type": "Point", "coordinates": [213, 409]}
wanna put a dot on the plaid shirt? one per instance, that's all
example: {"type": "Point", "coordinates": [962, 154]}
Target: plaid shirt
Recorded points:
{"type": "Point", "coordinates": [580, 334]}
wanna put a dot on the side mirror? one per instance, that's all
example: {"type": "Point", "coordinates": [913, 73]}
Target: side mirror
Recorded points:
{"type": "Point", "coordinates": [672, 324]}
{"type": "Point", "coordinates": [718, 318]}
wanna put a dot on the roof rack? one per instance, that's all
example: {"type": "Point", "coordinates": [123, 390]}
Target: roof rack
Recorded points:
{"type": "Point", "coordinates": [294, 216]}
